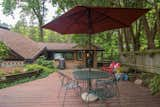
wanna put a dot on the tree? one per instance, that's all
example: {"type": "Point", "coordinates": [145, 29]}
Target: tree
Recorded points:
{"type": "Point", "coordinates": [29, 7]}
{"type": "Point", "coordinates": [9, 6]}
{"type": "Point", "coordinates": [4, 51]}
{"type": "Point", "coordinates": [151, 22]}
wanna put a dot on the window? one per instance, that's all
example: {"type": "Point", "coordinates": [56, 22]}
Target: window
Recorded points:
{"type": "Point", "coordinates": [69, 56]}
{"type": "Point", "coordinates": [58, 56]}
{"type": "Point", "coordinates": [79, 55]}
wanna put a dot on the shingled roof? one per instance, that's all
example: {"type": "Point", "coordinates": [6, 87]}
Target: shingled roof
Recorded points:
{"type": "Point", "coordinates": [21, 45]}
{"type": "Point", "coordinates": [59, 46]}
{"type": "Point", "coordinates": [67, 46]}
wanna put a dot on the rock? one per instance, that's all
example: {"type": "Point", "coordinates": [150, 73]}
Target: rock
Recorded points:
{"type": "Point", "coordinates": [138, 82]}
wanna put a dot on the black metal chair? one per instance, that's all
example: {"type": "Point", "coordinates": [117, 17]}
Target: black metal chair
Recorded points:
{"type": "Point", "coordinates": [67, 84]}
{"type": "Point", "coordinates": [106, 88]}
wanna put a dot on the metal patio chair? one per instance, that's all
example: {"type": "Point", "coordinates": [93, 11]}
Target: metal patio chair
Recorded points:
{"type": "Point", "coordinates": [107, 88]}
{"type": "Point", "coordinates": [67, 84]}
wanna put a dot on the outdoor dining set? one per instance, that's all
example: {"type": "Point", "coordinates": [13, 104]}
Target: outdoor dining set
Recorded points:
{"type": "Point", "coordinates": [91, 86]}
{"type": "Point", "coordinates": [91, 20]}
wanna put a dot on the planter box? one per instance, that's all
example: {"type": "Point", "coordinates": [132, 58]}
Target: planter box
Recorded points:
{"type": "Point", "coordinates": [14, 77]}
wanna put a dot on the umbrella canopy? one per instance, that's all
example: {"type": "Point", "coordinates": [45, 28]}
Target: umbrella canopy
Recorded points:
{"type": "Point", "coordinates": [90, 20]}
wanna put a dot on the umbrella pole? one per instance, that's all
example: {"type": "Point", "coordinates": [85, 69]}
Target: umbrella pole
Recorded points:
{"type": "Point", "coordinates": [90, 30]}
{"type": "Point", "coordinates": [89, 82]}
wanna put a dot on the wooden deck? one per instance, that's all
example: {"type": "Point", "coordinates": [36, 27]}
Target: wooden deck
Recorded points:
{"type": "Point", "coordinates": [44, 92]}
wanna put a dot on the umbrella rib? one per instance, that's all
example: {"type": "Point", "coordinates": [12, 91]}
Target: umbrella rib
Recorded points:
{"type": "Point", "coordinates": [106, 16]}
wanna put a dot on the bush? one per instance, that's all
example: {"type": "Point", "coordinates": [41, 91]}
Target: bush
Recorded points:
{"type": "Point", "coordinates": [23, 80]}
{"type": "Point", "coordinates": [36, 67]}
{"type": "Point", "coordinates": [16, 71]}
{"type": "Point", "coordinates": [146, 77]}
{"type": "Point", "coordinates": [4, 50]}
{"type": "Point", "coordinates": [2, 73]}
{"type": "Point", "coordinates": [42, 61]}
{"type": "Point", "coordinates": [155, 84]}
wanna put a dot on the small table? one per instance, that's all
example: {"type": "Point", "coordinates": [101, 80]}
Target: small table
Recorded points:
{"type": "Point", "coordinates": [84, 74]}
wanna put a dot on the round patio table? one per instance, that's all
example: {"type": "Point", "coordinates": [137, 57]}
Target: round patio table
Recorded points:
{"type": "Point", "coordinates": [89, 75]}
{"type": "Point", "coordinates": [85, 74]}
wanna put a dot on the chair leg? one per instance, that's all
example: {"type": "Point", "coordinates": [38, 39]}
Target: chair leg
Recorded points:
{"type": "Point", "coordinates": [102, 102]}
{"type": "Point", "coordinates": [117, 89]}
{"type": "Point", "coordinates": [61, 86]}
{"type": "Point", "coordinates": [118, 94]}
{"type": "Point", "coordinates": [64, 98]}
{"type": "Point", "coordinates": [59, 92]}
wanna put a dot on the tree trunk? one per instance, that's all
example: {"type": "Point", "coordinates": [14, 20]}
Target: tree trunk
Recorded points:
{"type": "Point", "coordinates": [120, 41]}
{"type": "Point", "coordinates": [40, 29]}
{"type": "Point", "coordinates": [135, 39]}
{"type": "Point", "coordinates": [41, 34]}
{"type": "Point", "coordinates": [158, 20]}
{"type": "Point", "coordinates": [126, 39]}
{"type": "Point", "coordinates": [150, 36]}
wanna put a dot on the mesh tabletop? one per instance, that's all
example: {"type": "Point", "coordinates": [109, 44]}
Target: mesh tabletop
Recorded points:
{"type": "Point", "coordinates": [87, 75]}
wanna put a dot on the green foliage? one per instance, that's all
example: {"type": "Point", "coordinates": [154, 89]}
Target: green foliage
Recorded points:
{"type": "Point", "coordinates": [36, 67]}
{"type": "Point", "coordinates": [155, 84]}
{"type": "Point", "coordinates": [82, 40]}
{"type": "Point", "coordinates": [8, 6]}
{"type": "Point", "coordinates": [109, 42]}
{"type": "Point", "coordinates": [8, 84]}
{"type": "Point", "coordinates": [2, 73]}
{"type": "Point", "coordinates": [46, 68]}
{"type": "Point", "coordinates": [106, 40]}
{"type": "Point", "coordinates": [30, 67]}
{"type": "Point", "coordinates": [41, 64]}
{"type": "Point", "coordinates": [46, 63]}
{"type": "Point", "coordinates": [33, 32]}
{"type": "Point", "coordinates": [4, 50]}
{"type": "Point", "coordinates": [146, 77]}
{"type": "Point", "coordinates": [16, 71]}
{"type": "Point", "coordinates": [34, 9]}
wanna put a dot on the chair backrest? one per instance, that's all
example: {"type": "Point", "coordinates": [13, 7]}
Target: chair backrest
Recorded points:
{"type": "Point", "coordinates": [112, 64]}
{"type": "Point", "coordinates": [64, 78]}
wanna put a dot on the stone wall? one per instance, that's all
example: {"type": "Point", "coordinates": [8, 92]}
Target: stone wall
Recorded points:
{"type": "Point", "coordinates": [12, 64]}
{"type": "Point", "coordinates": [148, 61]}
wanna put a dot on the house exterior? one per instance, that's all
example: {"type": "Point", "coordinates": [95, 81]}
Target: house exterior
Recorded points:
{"type": "Point", "coordinates": [21, 47]}
{"type": "Point", "coordinates": [74, 55]}
{"type": "Point", "coordinates": [27, 50]}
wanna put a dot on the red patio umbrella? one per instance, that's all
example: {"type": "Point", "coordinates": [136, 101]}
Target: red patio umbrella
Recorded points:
{"type": "Point", "coordinates": [91, 20]}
